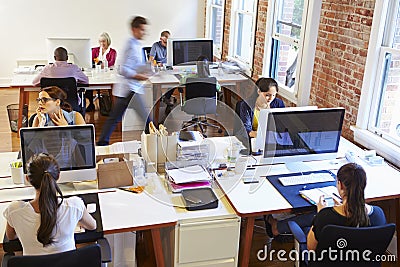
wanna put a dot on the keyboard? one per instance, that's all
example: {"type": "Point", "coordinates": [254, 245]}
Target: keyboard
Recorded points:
{"type": "Point", "coordinates": [310, 178]}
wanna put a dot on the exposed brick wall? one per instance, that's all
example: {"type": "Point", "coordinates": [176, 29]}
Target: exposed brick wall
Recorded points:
{"type": "Point", "coordinates": [341, 51]}
{"type": "Point", "coordinates": [259, 42]}
{"type": "Point", "coordinates": [227, 25]}
{"type": "Point", "coordinates": [343, 35]}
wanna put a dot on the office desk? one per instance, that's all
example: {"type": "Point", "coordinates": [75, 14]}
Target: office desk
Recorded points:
{"type": "Point", "coordinates": [168, 80]}
{"type": "Point", "coordinates": [98, 81]}
{"type": "Point", "coordinates": [121, 212]}
{"type": "Point", "coordinates": [253, 200]}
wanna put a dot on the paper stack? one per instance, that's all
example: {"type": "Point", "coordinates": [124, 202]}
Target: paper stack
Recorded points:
{"type": "Point", "coordinates": [191, 146]}
{"type": "Point", "coordinates": [188, 177]}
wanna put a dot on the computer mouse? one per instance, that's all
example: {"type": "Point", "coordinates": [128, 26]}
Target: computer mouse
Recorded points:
{"type": "Point", "coordinates": [91, 207]}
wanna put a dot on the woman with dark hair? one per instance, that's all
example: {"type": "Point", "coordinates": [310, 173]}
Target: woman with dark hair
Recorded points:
{"type": "Point", "coordinates": [46, 224]}
{"type": "Point", "coordinates": [353, 211]}
{"type": "Point", "coordinates": [264, 97]}
{"type": "Point", "coordinates": [53, 110]}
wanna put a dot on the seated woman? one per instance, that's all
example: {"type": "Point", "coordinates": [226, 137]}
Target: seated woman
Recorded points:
{"type": "Point", "coordinates": [53, 110]}
{"type": "Point", "coordinates": [100, 55]}
{"type": "Point", "coordinates": [351, 182]}
{"type": "Point", "coordinates": [353, 211]}
{"type": "Point", "coordinates": [264, 97]}
{"type": "Point", "coordinates": [46, 224]}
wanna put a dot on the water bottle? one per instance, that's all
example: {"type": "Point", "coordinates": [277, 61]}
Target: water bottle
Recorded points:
{"type": "Point", "coordinates": [220, 71]}
{"type": "Point", "coordinates": [139, 172]}
{"type": "Point", "coordinates": [105, 64]}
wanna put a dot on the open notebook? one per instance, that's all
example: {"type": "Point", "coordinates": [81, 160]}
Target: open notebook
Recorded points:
{"type": "Point", "coordinates": [313, 195]}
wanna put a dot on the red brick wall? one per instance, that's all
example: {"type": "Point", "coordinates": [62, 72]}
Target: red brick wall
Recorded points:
{"type": "Point", "coordinates": [342, 44]}
{"type": "Point", "coordinates": [227, 25]}
{"type": "Point", "coordinates": [340, 58]}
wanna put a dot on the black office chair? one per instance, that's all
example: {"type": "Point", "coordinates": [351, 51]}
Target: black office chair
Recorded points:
{"type": "Point", "coordinates": [349, 241]}
{"type": "Point", "coordinates": [75, 97]}
{"type": "Point", "coordinates": [201, 99]}
{"type": "Point", "coordinates": [146, 52]}
{"type": "Point", "coordinates": [88, 256]}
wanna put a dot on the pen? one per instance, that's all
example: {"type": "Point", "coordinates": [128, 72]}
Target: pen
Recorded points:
{"type": "Point", "coordinates": [336, 195]}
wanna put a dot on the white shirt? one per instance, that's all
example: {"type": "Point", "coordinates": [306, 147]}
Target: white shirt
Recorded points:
{"type": "Point", "coordinates": [61, 69]}
{"type": "Point", "coordinates": [22, 217]}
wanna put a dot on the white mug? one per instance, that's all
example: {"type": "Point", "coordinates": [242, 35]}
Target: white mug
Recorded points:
{"type": "Point", "coordinates": [17, 175]}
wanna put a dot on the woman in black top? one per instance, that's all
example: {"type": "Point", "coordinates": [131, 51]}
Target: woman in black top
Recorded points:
{"type": "Point", "coordinates": [353, 211]}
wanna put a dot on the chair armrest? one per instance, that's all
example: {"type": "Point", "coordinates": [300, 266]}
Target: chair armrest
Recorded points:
{"type": "Point", "coordinates": [10, 246]}
{"type": "Point", "coordinates": [105, 250]}
{"type": "Point", "coordinates": [297, 232]}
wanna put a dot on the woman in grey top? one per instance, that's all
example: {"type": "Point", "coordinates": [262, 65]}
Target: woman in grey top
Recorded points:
{"type": "Point", "coordinates": [53, 110]}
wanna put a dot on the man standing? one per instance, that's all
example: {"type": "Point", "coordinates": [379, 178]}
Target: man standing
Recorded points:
{"type": "Point", "coordinates": [61, 69]}
{"type": "Point", "coordinates": [158, 51]}
{"type": "Point", "coordinates": [133, 74]}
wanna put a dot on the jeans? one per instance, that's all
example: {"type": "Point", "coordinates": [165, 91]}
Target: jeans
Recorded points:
{"type": "Point", "coordinates": [119, 106]}
{"type": "Point", "coordinates": [303, 220]}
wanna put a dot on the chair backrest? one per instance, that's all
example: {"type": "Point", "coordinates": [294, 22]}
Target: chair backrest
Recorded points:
{"type": "Point", "coordinates": [88, 256]}
{"type": "Point", "coordinates": [201, 96]}
{"type": "Point", "coordinates": [201, 87]}
{"type": "Point", "coordinates": [358, 246]}
{"type": "Point", "coordinates": [146, 52]}
{"type": "Point", "coordinates": [68, 85]}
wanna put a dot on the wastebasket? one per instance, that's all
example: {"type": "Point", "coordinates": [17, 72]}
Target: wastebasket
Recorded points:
{"type": "Point", "coordinates": [12, 111]}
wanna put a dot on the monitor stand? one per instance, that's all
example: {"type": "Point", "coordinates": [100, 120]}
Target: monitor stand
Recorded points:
{"type": "Point", "coordinates": [297, 166]}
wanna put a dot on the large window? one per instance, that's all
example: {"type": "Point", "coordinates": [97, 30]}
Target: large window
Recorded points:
{"type": "Point", "coordinates": [242, 31]}
{"type": "Point", "coordinates": [379, 111]}
{"type": "Point", "coordinates": [286, 53]}
{"type": "Point", "coordinates": [215, 24]}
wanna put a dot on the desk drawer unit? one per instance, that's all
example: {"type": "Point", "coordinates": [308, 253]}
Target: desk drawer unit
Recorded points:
{"type": "Point", "coordinates": [207, 243]}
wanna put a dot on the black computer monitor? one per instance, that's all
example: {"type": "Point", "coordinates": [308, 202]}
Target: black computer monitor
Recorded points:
{"type": "Point", "coordinates": [301, 135]}
{"type": "Point", "coordinates": [188, 51]}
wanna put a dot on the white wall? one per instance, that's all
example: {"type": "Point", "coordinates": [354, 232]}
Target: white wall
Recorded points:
{"type": "Point", "coordinates": [25, 24]}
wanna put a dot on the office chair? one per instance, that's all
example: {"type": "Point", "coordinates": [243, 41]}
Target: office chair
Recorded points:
{"type": "Point", "coordinates": [201, 99]}
{"type": "Point", "coordinates": [70, 86]}
{"type": "Point", "coordinates": [146, 52]}
{"type": "Point", "coordinates": [346, 240]}
{"type": "Point", "coordinates": [88, 256]}
{"type": "Point", "coordinates": [12, 246]}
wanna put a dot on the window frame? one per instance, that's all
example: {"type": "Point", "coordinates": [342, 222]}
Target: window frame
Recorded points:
{"type": "Point", "coordinates": [300, 95]}
{"type": "Point", "coordinates": [217, 49]}
{"type": "Point", "coordinates": [246, 63]}
{"type": "Point", "coordinates": [365, 133]}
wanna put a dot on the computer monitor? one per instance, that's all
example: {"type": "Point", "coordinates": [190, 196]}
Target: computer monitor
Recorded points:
{"type": "Point", "coordinates": [302, 135]}
{"type": "Point", "coordinates": [72, 146]}
{"type": "Point", "coordinates": [257, 145]}
{"type": "Point", "coordinates": [79, 50]}
{"type": "Point", "coordinates": [187, 51]}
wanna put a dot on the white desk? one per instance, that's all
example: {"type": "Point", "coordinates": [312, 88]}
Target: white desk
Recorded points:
{"type": "Point", "coordinates": [97, 81]}
{"type": "Point", "coordinates": [252, 200]}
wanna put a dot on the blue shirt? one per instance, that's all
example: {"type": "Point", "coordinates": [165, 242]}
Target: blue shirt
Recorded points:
{"type": "Point", "coordinates": [246, 113]}
{"type": "Point", "coordinates": [159, 52]}
{"type": "Point", "coordinates": [133, 63]}
{"type": "Point", "coordinates": [69, 117]}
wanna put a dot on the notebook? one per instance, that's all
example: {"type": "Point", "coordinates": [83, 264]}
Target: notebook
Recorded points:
{"type": "Point", "coordinates": [313, 195]}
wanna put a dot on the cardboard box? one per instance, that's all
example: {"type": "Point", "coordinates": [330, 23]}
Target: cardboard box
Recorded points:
{"type": "Point", "coordinates": [114, 174]}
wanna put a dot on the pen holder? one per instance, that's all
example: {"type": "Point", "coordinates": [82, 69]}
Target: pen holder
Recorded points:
{"type": "Point", "coordinates": [17, 175]}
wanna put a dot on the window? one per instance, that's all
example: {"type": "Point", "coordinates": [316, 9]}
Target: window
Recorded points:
{"type": "Point", "coordinates": [286, 54]}
{"type": "Point", "coordinates": [215, 24]}
{"type": "Point", "coordinates": [380, 96]}
{"type": "Point", "coordinates": [242, 30]}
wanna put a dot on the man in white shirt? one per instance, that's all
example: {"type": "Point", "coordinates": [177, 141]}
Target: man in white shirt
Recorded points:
{"type": "Point", "coordinates": [61, 69]}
